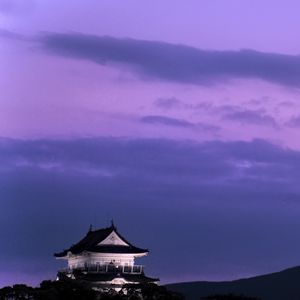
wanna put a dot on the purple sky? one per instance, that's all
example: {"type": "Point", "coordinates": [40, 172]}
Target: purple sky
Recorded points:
{"type": "Point", "coordinates": [180, 121]}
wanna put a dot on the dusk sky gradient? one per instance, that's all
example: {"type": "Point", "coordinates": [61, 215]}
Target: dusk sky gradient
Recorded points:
{"type": "Point", "coordinates": [179, 120]}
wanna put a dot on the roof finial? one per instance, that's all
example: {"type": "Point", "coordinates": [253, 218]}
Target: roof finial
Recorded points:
{"type": "Point", "coordinates": [112, 223]}
{"type": "Point", "coordinates": [91, 228]}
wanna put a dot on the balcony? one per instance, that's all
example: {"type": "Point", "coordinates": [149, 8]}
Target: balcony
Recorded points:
{"type": "Point", "coordinates": [112, 269]}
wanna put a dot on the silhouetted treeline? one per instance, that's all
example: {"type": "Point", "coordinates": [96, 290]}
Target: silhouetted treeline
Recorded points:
{"type": "Point", "coordinates": [72, 290]}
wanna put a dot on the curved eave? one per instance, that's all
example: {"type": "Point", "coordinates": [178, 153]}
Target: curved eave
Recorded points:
{"type": "Point", "coordinates": [105, 249]}
{"type": "Point", "coordinates": [141, 254]}
{"type": "Point", "coordinates": [61, 257]}
{"type": "Point", "coordinates": [66, 255]}
{"type": "Point", "coordinates": [118, 250]}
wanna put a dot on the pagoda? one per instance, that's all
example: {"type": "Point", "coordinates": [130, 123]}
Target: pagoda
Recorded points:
{"type": "Point", "coordinates": [105, 259]}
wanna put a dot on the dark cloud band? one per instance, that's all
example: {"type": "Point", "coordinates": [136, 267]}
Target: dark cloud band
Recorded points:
{"type": "Point", "coordinates": [179, 63]}
{"type": "Point", "coordinates": [166, 121]}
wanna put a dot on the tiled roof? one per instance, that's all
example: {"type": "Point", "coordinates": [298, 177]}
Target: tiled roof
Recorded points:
{"type": "Point", "coordinates": [94, 237]}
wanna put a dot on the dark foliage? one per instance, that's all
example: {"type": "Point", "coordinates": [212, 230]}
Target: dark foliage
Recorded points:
{"type": "Point", "coordinates": [75, 290]}
{"type": "Point", "coordinates": [151, 291]}
{"type": "Point", "coordinates": [17, 292]}
{"type": "Point", "coordinates": [64, 290]}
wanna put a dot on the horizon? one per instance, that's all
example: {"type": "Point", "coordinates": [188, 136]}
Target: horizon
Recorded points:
{"type": "Point", "coordinates": [178, 121]}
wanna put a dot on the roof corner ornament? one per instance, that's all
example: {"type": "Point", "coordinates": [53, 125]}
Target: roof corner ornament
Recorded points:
{"type": "Point", "coordinates": [113, 224]}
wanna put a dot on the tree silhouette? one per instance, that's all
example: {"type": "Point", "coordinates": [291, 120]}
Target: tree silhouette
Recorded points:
{"type": "Point", "coordinates": [68, 289]}
{"type": "Point", "coordinates": [17, 292]}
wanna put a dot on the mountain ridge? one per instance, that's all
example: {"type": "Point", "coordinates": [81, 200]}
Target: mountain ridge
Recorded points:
{"type": "Point", "coordinates": [281, 285]}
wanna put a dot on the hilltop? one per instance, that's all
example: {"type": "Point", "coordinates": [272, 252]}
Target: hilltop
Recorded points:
{"type": "Point", "coordinates": [284, 285]}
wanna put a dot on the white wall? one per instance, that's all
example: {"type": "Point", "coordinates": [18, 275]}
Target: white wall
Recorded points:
{"type": "Point", "coordinates": [78, 261]}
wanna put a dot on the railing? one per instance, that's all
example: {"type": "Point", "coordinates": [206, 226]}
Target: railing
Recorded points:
{"type": "Point", "coordinates": [135, 269]}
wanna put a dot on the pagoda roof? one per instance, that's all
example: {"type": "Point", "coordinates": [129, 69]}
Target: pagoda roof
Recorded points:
{"type": "Point", "coordinates": [92, 243]}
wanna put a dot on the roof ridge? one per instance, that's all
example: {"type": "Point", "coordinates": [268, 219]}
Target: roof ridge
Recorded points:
{"type": "Point", "coordinates": [93, 238]}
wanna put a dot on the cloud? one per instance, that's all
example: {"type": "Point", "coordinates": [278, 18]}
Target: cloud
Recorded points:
{"type": "Point", "coordinates": [168, 103]}
{"type": "Point", "coordinates": [166, 121]}
{"type": "Point", "coordinates": [259, 101]}
{"type": "Point", "coordinates": [247, 117]}
{"type": "Point", "coordinates": [7, 34]}
{"type": "Point", "coordinates": [294, 122]}
{"type": "Point", "coordinates": [211, 195]}
{"type": "Point", "coordinates": [208, 127]}
{"type": "Point", "coordinates": [178, 123]}
{"type": "Point", "coordinates": [174, 62]}
{"type": "Point", "coordinates": [237, 114]}
{"type": "Point", "coordinates": [129, 159]}
{"type": "Point", "coordinates": [286, 104]}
